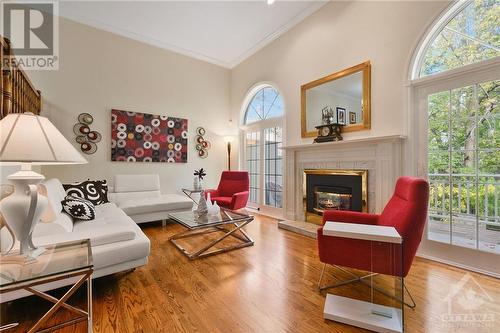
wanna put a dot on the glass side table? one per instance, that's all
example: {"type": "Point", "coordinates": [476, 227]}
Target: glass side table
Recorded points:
{"type": "Point", "coordinates": [57, 262]}
{"type": "Point", "coordinates": [190, 191]}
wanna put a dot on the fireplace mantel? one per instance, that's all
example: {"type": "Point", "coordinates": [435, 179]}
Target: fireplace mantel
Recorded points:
{"type": "Point", "coordinates": [333, 144]}
{"type": "Point", "coordinates": [381, 156]}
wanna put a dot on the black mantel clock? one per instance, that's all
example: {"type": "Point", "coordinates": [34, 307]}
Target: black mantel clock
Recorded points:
{"type": "Point", "coordinates": [328, 132]}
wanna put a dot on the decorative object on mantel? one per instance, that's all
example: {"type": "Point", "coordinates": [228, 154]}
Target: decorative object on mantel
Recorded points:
{"type": "Point", "coordinates": [84, 135]}
{"type": "Point", "coordinates": [352, 117]}
{"type": "Point", "coordinates": [328, 132]}
{"type": "Point", "coordinates": [144, 137]}
{"type": "Point", "coordinates": [341, 115]}
{"type": "Point", "coordinates": [202, 145]}
{"type": "Point", "coordinates": [198, 179]}
{"type": "Point", "coordinates": [327, 115]}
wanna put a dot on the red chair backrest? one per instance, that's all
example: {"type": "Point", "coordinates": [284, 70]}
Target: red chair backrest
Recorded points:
{"type": "Point", "coordinates": [232, 182]}
{"type": "Point", "coordinates": [407, 212]}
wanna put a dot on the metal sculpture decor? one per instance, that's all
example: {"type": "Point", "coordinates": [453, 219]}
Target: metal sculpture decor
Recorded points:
{"type": "Point", "coordinates": [202, 145]}
{"type": "Point", "coordinates": [86, 137]}
{"type": "Point", "coordinates": [143, 137]}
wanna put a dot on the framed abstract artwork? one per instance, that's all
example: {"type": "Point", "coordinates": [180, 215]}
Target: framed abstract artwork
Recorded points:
{"type": "Point", "coordinates": [143, 137]}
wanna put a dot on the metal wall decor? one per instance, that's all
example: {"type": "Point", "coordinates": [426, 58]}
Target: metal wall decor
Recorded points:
{"type": "Point", "coordinates": [202, 145]}
{"type": "Point", "coordinates": [86, 137]}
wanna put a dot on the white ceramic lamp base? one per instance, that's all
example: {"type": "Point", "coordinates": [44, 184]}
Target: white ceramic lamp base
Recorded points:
{"type": "Point", "coordinates": [23, 208]}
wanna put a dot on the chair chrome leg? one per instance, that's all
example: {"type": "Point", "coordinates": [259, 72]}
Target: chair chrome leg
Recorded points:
{"type": "Point", "coordinates": [321, 276]}
{"type": "Point", "coordinates": [413, 304]}
{"type": "Point", "coordinates": [361, 279]}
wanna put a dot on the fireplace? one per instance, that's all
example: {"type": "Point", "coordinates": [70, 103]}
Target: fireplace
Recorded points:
{"type": "Point", "coordinates": [334, 189]}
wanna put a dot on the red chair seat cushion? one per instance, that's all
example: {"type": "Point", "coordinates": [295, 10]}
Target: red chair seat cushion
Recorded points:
{"type": "Point", "coordinates": [223, 201]}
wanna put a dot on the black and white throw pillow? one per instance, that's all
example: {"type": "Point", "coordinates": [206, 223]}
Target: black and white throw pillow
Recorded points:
{"type": "Point", "coordinates": [78, 208]}
{"type": "Point", "coordinates": [95, 191]}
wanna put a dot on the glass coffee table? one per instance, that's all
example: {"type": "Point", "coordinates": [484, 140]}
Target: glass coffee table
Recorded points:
{"type": "Point", "coordinates": [57, 262]}
{"type": "Point", "coordinates": [228, 223]}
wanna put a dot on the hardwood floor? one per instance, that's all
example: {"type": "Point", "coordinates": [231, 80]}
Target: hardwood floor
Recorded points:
{"type": "Point", "coordinates": [270, 287]}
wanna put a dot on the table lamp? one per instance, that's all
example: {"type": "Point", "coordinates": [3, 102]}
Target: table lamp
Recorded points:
{"type": "Point", "coordinates": [27, 139]}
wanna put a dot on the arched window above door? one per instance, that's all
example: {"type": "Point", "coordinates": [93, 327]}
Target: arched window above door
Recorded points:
{"type": "Point", "coordinates": [467, 33]}
{"type": "Point", "coordinates": [266, 103]}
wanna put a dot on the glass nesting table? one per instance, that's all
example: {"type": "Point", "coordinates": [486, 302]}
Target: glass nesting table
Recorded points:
{"type": "Point", "coordinates": [228, 223]}
{"type": "Point", "coordinates": [58, 262]}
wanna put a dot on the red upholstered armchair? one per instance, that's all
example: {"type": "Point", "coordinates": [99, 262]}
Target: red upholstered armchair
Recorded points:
{"type": "Point", "coordinates": [406, 211]}
{"type": "Point", "coordinates": [232, 192]}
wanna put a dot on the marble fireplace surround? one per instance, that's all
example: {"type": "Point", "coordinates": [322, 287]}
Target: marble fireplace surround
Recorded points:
{"type": "Point", "coordinates": [381, 156]}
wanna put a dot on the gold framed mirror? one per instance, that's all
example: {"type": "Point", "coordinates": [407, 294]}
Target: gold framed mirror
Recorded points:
{"type": "Point", "coordinates": [343, 97]}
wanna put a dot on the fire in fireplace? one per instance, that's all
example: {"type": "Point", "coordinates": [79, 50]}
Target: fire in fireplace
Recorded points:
{"type": "Point", "coordinates": [334, 189]}
{"type": "Point", "coordinates": [331, 197]}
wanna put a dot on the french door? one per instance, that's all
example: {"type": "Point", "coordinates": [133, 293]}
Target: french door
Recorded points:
{"type": "Point", "coordinates": [464, 166]}
{"type": "Point", "coordinates": [263, 158]}
{"type": "Point", "coordinates": [459, 131]}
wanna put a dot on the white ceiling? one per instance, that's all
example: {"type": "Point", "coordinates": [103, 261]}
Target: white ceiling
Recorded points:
{"type": "Point", "coordinates": [221, 32]}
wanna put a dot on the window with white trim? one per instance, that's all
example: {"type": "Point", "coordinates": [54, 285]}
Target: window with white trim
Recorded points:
{"type": "Point", "coordinates": [263, 137]}
{"type": "Point", "coordinates": [471, 35]}
{"type": "Point", "coordinates": [459, 115]}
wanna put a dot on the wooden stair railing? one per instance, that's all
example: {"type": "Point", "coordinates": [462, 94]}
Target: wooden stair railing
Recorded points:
{"type": "Point", "coordinates": [18, 95]}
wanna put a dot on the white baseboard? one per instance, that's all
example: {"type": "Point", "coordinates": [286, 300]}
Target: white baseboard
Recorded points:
{"type": "Point", "coordinates": [462, 266]}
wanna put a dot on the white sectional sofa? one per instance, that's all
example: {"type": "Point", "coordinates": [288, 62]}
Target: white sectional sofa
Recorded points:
{"type": "Point", "coordinates": [139, 196]}
{"type": "Point", "coordinates": [118, 244]}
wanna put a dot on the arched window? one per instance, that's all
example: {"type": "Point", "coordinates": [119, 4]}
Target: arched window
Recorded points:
{"type": "Point", "coordinates": [458, 119]}
{"type": "Point", "coordinates": [266, 103]}
{"type": "Point", "coordinates": [262, 140]}
{"type": "Point", "coordinates": [468, 33]}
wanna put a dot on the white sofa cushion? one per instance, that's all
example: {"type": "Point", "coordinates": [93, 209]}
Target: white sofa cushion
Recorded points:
{"type": "Point", "coordinates": [136, 183]}
{"type": "Point", "coordinates": [165, 202]}
{"type": "Point", "coordinates": [121, 197]}
{"type": "Point", "coordinates": [55, 194]}
{"type": "Point", "coordinates": [63, 224]}
{"type": "Point", "coordinates": [98, 236]}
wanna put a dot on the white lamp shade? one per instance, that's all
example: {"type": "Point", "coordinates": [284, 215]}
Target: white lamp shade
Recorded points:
{"type": "Point", "coordinates": [27, 138]}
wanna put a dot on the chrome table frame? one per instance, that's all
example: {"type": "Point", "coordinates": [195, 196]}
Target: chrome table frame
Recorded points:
{"type": "Point", "coordinates": [236, 232]}
{"type": "Point", "coordinates": [189, 193]}
{"type": "Point", "coordinates": [85, 275]}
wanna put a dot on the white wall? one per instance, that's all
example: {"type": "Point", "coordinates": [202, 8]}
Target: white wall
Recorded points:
{"type": "Point", "coordinates": [100, 71]}
{"type": "Point", "coordinates": [340, 35]}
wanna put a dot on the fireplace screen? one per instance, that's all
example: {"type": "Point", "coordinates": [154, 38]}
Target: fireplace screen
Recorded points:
{"type": "Point", "coordinates": [326, 189]}
{"type": "Point", "coordinates": [331, 198]}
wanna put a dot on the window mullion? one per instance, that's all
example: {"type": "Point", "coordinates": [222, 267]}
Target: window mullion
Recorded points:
{"type": "Point", "coordinates": [262, 170]}
{"type": "Point", "coordinates": [476, 161]}
{"type": "Point", "coordinates": [450, 171]}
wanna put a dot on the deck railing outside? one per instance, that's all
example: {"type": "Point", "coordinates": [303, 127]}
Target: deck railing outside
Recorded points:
{"type": "Point", "coordinates": [464, 210]}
